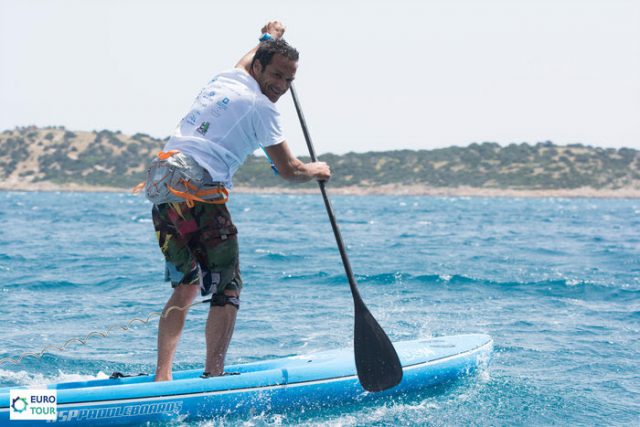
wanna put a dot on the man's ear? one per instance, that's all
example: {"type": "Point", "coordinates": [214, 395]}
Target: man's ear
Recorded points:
{"type": "Point", "coordinates": [256, 68]}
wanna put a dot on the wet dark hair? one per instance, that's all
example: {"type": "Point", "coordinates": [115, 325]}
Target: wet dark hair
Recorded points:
{"type": "Point", "coordinates": [268, 48]}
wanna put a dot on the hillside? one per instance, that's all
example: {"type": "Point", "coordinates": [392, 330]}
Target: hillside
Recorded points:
{"type": "Point", "coordinates": [59, 157]}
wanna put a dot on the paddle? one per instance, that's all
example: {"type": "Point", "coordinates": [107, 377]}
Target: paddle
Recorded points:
{"type": "Point", "coordinates": [377, 362]}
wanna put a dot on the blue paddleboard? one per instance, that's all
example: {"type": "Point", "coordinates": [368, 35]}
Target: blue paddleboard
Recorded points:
{"type": "Point", "coordinates": [324, 378]}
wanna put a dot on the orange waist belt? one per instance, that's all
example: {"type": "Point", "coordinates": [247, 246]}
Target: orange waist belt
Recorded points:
{"type": "Point", "coordinates": [191, 193]}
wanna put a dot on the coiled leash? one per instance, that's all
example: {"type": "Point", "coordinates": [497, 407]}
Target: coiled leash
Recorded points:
{"type": "Point", "coordinates": [216, 300]}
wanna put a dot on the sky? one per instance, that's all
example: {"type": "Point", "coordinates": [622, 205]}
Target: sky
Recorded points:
{"type": "Point", "coordinates": [373, 75]}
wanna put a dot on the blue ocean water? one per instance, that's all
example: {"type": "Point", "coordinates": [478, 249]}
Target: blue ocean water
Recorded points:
{"type": "Point", "coordinates": [556, 282]}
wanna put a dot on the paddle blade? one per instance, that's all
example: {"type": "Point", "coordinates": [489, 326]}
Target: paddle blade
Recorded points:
{"type": "Point", "coordinates": [377, 362]}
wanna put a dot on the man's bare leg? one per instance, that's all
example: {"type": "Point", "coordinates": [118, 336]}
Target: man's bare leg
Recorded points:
{"type": "Point", "coordinates": [220, 325]}
{"type": "Point", "coordinates": [170, 328]}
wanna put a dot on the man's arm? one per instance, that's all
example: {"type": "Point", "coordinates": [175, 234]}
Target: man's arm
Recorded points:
{"type": "Point", "coordinates": [292, 169]}
{"type": "Point", "coordinates": [275, 29]}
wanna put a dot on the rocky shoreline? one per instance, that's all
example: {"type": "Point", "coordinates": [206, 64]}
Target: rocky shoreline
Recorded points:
{"type": "Point", "coordinates": [403, 190]}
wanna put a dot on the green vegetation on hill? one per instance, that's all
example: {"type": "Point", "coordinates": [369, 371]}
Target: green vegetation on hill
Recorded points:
{"type": "Point", "coordinates": [106, 158]}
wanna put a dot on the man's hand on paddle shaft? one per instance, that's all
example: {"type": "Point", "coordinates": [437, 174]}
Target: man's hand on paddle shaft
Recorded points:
{"type": "Point", "coordinates": [274, 28]}
{"type": "Point", "coordinates": [292, 169]}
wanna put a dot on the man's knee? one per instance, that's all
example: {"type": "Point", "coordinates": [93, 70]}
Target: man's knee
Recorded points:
{"type": "Point", "coordinates": [229, 297]}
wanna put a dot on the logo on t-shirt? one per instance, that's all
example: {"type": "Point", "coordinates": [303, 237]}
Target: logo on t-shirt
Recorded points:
{"type": "Point", "coordinates": [221, 107]}
{"type": "Point", "coordinates": [203, 128]}
{"type": "Point", "coordinates": [192, 118]}
{"type": "Point", "coordinates": [207, 94]}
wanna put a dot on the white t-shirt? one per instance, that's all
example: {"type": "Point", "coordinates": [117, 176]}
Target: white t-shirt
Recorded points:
{"type": "Point", "coordinates": [228, 121]}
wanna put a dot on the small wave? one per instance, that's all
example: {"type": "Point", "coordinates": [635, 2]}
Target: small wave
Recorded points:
{"type": "Point", "coordinates": [408, 235]}
{"type": "Point", "coordinates": [7, 257]}
{"type": "Point", "coordinates": [385, 278]}
{"type": "Point", "coordinates": [141, 219]}
{"type": "Point", "coordinates": [332, 279]}
{"type": "Point", "coordinates": [562, 288]}
{"type": "Point", "coordinates": [355, 221]}
{"type": "Point", "coordinates": [32, 379]}
{"type": "Point", "coordinates": [277, 256]}
{"type": "Point", "coordinates": [46, 284]}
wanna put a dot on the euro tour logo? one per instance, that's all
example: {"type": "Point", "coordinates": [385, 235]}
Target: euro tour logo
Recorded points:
{"type": "Point", "coordinates": [33, 404]}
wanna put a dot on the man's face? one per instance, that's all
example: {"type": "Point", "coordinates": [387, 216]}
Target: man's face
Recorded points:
{"type": "Point", "coordinates": [276, 78]}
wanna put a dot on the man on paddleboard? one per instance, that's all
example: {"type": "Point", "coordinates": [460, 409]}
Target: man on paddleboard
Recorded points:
{"type": "Point", "coordinates": [233, 115]}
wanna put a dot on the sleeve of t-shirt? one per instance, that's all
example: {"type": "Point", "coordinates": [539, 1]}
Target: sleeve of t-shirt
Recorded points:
{"type": "Point", "coordinates": [267, 124]}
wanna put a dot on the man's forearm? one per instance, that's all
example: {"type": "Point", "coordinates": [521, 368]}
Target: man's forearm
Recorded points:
{"type": "Point", "coordinates": [298, 172]}
{"type": "Point", "coordinates": [293, 169]}
{"type": "Point", "coordinates": [275, 29]}
{"type": "Point", "coordinates": [245, 61]}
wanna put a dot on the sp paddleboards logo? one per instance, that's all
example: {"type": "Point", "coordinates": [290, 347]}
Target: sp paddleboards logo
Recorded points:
{"type": "Point", "coordinates": [33, 404]}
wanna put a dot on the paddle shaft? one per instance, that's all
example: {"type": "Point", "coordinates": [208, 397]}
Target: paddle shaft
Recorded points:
{"type": "Point", "coordinates": [377, 362]}
{"type": "Point", "coordinates": [327, 203]}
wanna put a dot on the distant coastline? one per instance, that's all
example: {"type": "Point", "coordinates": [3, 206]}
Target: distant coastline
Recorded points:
{"type": "Point", "coordinates": [386, 190]}
{"type": "Point", "coordinates": [57, 159]}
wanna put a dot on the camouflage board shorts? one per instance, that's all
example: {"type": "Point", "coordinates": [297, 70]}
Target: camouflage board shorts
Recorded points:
{"type": "Point", "coordinates": [200, 245]}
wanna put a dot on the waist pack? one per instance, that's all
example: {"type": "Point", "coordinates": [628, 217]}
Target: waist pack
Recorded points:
{"type": "Point", "coordinates": [176, 177]}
